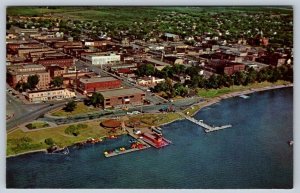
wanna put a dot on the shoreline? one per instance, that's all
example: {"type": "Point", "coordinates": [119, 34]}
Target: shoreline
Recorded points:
{"type": "Point", "coordinates": [217, 99]}
{"type": "Point", "coordinates": [206, 103]}
{"type": "Point", "coordinates": [28, 152]}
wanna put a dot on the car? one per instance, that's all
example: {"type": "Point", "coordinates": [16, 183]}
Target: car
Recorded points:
{"type": "Point", "coordinates": [51, 104]}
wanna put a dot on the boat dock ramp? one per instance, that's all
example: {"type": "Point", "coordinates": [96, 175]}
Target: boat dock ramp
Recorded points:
{"type": "Point", "coordinates": [114, 153]}
{"type": "Point", "coordinates": [207, 128]}
{"type": "Point", "coordinates": [141, 142]}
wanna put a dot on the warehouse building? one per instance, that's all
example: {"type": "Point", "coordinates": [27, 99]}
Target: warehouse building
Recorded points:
{"type": "Point", "coordinates": [49, 95]}
{"type": "Point", "coordinates": [102, 59]}
{"type": "Point", "coordinates": [94, 84]}
{"type": "Point", "coordinates": [123, 97]}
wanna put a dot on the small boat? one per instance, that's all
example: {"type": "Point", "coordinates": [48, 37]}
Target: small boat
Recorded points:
{"type": "Point", "coordinates": [132, 141]}
{"type": "Point", "coordinates": [244, 96]}
{"type": "Point", "coordinates": [291, 142]}
{"type": "Point", "coordinates": [122, 149]}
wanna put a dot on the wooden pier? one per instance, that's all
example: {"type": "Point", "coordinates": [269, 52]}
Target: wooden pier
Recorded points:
{"type": "Point", "coordinates": [112, 154]}
{"type": "Point", "coordinates": [207, 128]}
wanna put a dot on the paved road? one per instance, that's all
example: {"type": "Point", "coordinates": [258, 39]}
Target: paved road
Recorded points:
{"type": "Point", "coordinates": [31, 115]}
{"type": "Point", "coordinates": [177, 105]}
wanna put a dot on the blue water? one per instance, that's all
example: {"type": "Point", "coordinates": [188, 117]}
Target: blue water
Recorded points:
{"type": "Point", "coordinates": [252, 154]}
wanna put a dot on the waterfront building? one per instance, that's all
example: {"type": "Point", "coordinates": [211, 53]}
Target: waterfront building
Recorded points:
{"type": "Point", "coordinates": [123, 97]}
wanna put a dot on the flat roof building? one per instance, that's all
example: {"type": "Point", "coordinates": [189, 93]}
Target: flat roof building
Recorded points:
{"type": "Point", "coordinates": [93, 84]}
{"type": "Point", "coordinates": [49, 95]}
{"type": "Point", "coordinates": [102, 59]}
{"type": "Point", "coordinates": [123, 97]}
{"type": "Point", "coordinates": [16, 74]}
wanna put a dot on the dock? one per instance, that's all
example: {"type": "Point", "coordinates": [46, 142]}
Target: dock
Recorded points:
{"type": "Point", "coordinates": [207, 128]}
{"type": "Point", "coordinates": [127, 151]}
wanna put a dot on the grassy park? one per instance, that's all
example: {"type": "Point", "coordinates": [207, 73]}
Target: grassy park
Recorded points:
{"type": "Point", "coordinates": [147, 120]}
{"type": "Point", "coordinates": [19, 141]}
{"type": "Point", "coordinates": [37, 125]}
{"type": "Point", "coordinates": [211, 93]}
{"type": "Point", "coordinates": [80, 108]}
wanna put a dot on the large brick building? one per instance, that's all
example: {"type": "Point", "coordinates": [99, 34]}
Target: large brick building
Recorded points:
{"type": "Point", "coordinates": [123, 97]}
{"type": "Point", "coordinates": [60, 61]}
{"type": "Point", "coordinates": [89, 85]}
{"type": "Point", "coordinates": [233, 67]}
{"type": "Point", "coordinates": [224, 67]}
{"type": "Point", "coordinates": [21, 73]}
{"type": "Point", "coordinates": [55, 71]}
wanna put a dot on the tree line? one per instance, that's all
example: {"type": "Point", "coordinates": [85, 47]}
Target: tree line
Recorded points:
{"type": "Point", "coordinates": [215, 81]}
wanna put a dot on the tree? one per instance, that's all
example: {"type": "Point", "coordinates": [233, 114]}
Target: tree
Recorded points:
{"type": "Point", "coordinates": [49, 141]}
{"type": "Point", "coordinates": [22, 86]}
{"type": "Point", "coordinates": [57, 81]}
{"type": "Point", "coordinates": [32, 81]}
{"type": "Point", "coordinates": [239, 78]}
{"type": "Point", "coordinates": [70, 106]}
{"type": "Point", "coordinates": [145, 70]}
{"type": "Point", "coordinates": [252, 75]}
{"type": "Point", "coordinates": [192, 71]}
{"type": "Point", "coordinates": [180, 89]}
{"type": "Point", "coordinates": [97, 99]}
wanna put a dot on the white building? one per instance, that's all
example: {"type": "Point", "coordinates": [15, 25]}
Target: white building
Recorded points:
{"type": "Point", "coordinates": [49, 95]}
{"type": "Point", "coordinates": [149, 81]}
{"type": "Point", "coordinates": [103, 59]}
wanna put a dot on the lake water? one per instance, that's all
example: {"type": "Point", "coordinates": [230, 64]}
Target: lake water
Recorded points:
{"type": "Point", "coordinates": [254, 153]}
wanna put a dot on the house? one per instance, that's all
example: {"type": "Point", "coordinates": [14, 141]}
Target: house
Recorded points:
{"type": "Point", "coordinates": [181, 78]}
{"type": "Point", "coordinates": [149, 81]}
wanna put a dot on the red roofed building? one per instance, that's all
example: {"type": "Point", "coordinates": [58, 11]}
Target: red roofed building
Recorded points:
{"type": "Point", "coordinates": [89, 85]}
{"type": "Point", "coordinates": [62, 62]}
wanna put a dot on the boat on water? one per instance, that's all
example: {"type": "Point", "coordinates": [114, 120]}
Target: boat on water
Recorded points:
{"type": "Point", "coordinates": [156, 130]}
{"type": "Point", "coordinates": [244, 96]}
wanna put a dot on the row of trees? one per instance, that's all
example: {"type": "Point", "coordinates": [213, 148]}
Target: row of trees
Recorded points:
{"type": "Point", "coordinates": [270, 74]}
{"type": "Point", "coordinates": [170, 89]}
{"type": "Point", "coordinates": [167, 71]}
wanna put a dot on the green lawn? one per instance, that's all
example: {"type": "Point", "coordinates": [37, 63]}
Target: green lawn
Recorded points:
{"type": "Point", "coordinates": [37, 125]}
{"type": "Point", "coordinates": [80, 109]}
{"type": "Point", "coordinates": [211, 93]}
{"type": "Point", "coordinates": [19, 141]}
{"type": "Point", "coordinates": [147, 120]}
